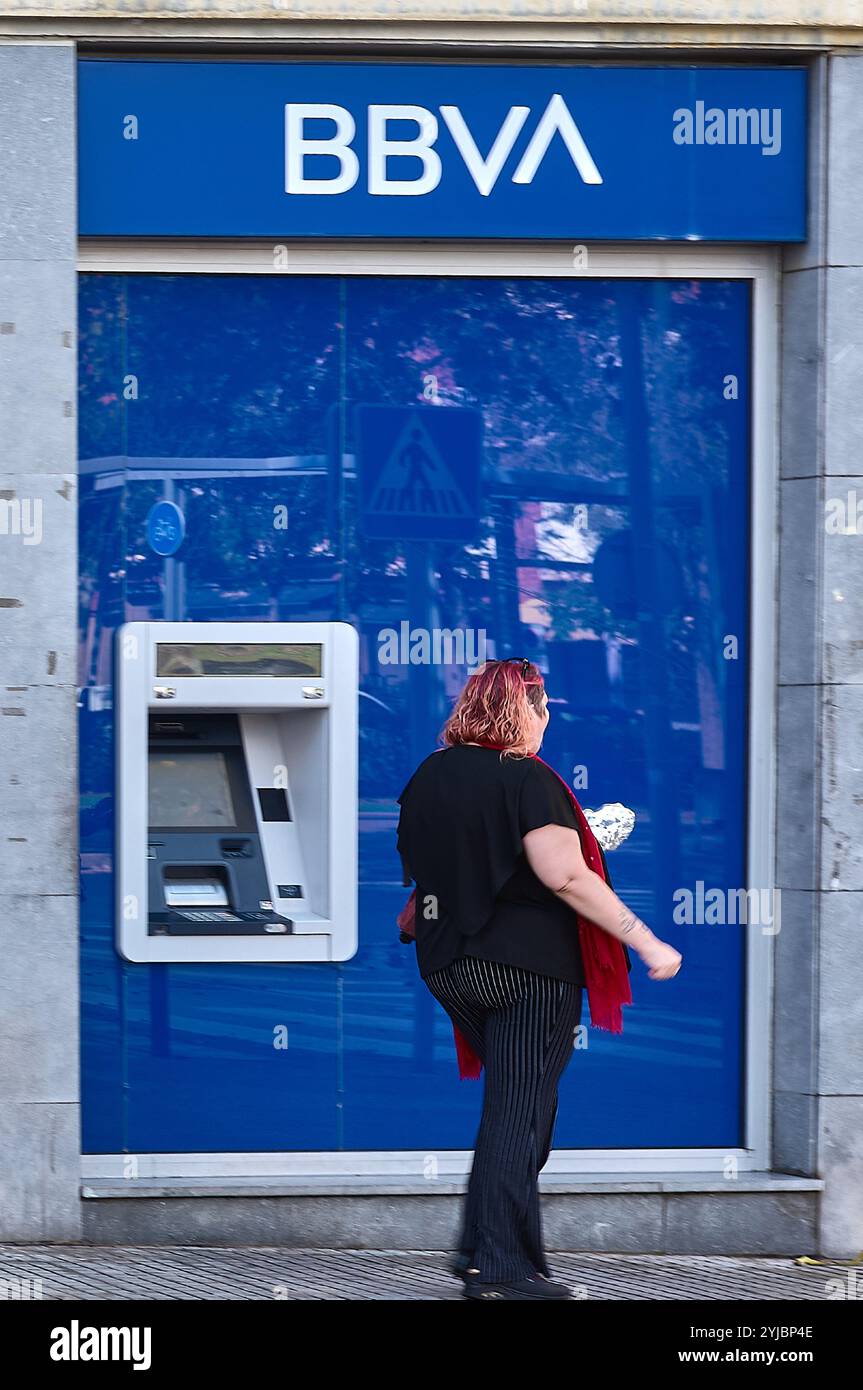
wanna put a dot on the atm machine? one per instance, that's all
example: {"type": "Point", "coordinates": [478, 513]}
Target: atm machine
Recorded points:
{"type": "Point", "coordinates": [237, 791]}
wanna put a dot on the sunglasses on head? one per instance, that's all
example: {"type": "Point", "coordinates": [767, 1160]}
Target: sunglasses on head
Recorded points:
{"type": "Point", "coordinates": [505, 661]}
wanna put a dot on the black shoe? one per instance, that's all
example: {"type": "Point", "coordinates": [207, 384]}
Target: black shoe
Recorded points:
{"type": "Point", "coordinates": [522, 1289]}
{"type": "Point", "coordinates": [461, 1266]}
{"type": "Point", "coordinates": [563, 1290]}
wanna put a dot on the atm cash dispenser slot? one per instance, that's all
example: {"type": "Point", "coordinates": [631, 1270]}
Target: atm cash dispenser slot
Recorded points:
{"type": "Point", "coordinates": [236, 791]}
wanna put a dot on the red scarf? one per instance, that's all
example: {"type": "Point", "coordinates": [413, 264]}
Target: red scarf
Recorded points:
{"type": "Point", "coordinates": [605, 972]}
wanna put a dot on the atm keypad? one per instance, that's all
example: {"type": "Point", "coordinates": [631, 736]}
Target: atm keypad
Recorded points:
{"type": "Point", "coordinates": [209, 916]}
{"type": "Point", "coordinates": [205, 915]}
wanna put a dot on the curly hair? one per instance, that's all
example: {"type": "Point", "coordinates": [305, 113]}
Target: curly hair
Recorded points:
{"type": "Point", "coordinates": [495, 707]}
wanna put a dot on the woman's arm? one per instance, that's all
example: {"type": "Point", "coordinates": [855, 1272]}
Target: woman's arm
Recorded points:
{"type": "Point", "coordinates": [554, 854]}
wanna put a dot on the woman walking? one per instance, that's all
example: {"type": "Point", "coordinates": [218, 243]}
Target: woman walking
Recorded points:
{"type": "Point", "coordinates": [514, 918]}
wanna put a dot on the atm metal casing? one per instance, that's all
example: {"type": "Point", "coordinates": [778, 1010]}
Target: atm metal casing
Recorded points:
{"type": "Point", "coordinates": [295, 738]}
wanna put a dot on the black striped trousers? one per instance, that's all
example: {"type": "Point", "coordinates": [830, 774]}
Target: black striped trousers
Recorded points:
{"type": "Point", "coordinates": [521, 1025]}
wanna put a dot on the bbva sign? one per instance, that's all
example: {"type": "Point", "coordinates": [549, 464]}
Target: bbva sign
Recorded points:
{"type": "Point", "coordinates": [383, 146]}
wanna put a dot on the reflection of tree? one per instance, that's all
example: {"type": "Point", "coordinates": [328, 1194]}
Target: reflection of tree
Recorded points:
{"type": "Point", "coordinates": [540, 358]}
{"type": "Point", "coordinates": [234, 540]}
{"type": "Point", "coordinates": [250, 367]}
{"type": "Point", "coordinates": [102, 353]}
{"type": "Point", "coordinates": [247, 369]}
{"type": "Point", "coordinates": [524, 351]}
{"type": "Point", "coordinates": [573, 605]}
{"type": "Point", "coordinates": [226, 366]}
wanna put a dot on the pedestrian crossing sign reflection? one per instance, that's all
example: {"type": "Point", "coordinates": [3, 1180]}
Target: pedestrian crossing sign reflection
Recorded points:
{"type": "Point", "coordinates": [419, 470]}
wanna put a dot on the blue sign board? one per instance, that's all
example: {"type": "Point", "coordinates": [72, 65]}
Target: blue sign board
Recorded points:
{"type": "Point", "coordinates": [419, 471]}
{"type": "Point", "coordinates": [166, 528]}
{"type": "Point", "coordinates": [287, 149]}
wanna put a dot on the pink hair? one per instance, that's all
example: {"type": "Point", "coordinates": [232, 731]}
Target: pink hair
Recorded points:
{"type": "Point", "coordinates": [495, 707]}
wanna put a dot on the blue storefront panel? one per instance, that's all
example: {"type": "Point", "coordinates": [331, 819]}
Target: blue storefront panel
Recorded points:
{"type": "Point", "coordinates": [287, 149]}
{"type": "Point", "coordinates": [598, 423]}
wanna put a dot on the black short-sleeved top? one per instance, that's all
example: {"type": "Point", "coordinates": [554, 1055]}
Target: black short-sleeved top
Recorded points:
{"type": "Point", "coordinates": [463, 815]}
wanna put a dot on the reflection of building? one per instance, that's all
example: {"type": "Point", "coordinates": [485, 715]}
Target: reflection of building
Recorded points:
{"type": "Point", "coordinates": [630, 515]}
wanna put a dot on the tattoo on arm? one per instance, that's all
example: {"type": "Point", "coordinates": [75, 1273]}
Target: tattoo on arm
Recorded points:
{"type": "Point", "coordinates": [627, 919]}
{"type": "Point", "coordinates": [629, 922]}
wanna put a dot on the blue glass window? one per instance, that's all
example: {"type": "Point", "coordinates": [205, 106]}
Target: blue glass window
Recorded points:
{"type": "Point", "coordinates": [610, 543]}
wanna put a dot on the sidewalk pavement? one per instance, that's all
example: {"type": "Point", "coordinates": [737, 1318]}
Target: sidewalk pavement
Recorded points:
{"type": "Point", "coordinates": [196, 1273]}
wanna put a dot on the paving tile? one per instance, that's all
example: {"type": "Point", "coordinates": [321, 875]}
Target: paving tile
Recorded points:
{"type": "Point", "coordinates": [95, 1273]}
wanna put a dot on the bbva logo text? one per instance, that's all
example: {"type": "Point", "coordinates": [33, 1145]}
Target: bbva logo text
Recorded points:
{"type": "Point", "coordinates": [485, 171]}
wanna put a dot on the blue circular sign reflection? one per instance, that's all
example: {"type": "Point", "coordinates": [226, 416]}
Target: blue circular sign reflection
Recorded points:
{"type": "Point", "coordinates": [166, 528]}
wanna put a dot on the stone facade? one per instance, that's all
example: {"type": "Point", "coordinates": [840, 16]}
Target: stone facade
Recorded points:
{"type": "Point", "coordinates": [817, 1053]}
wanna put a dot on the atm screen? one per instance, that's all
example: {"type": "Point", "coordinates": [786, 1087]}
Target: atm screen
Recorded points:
{"type": "Point", "coordinates": [238, 659]}
{"type": "Point", "coordinates": [190, 789]}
